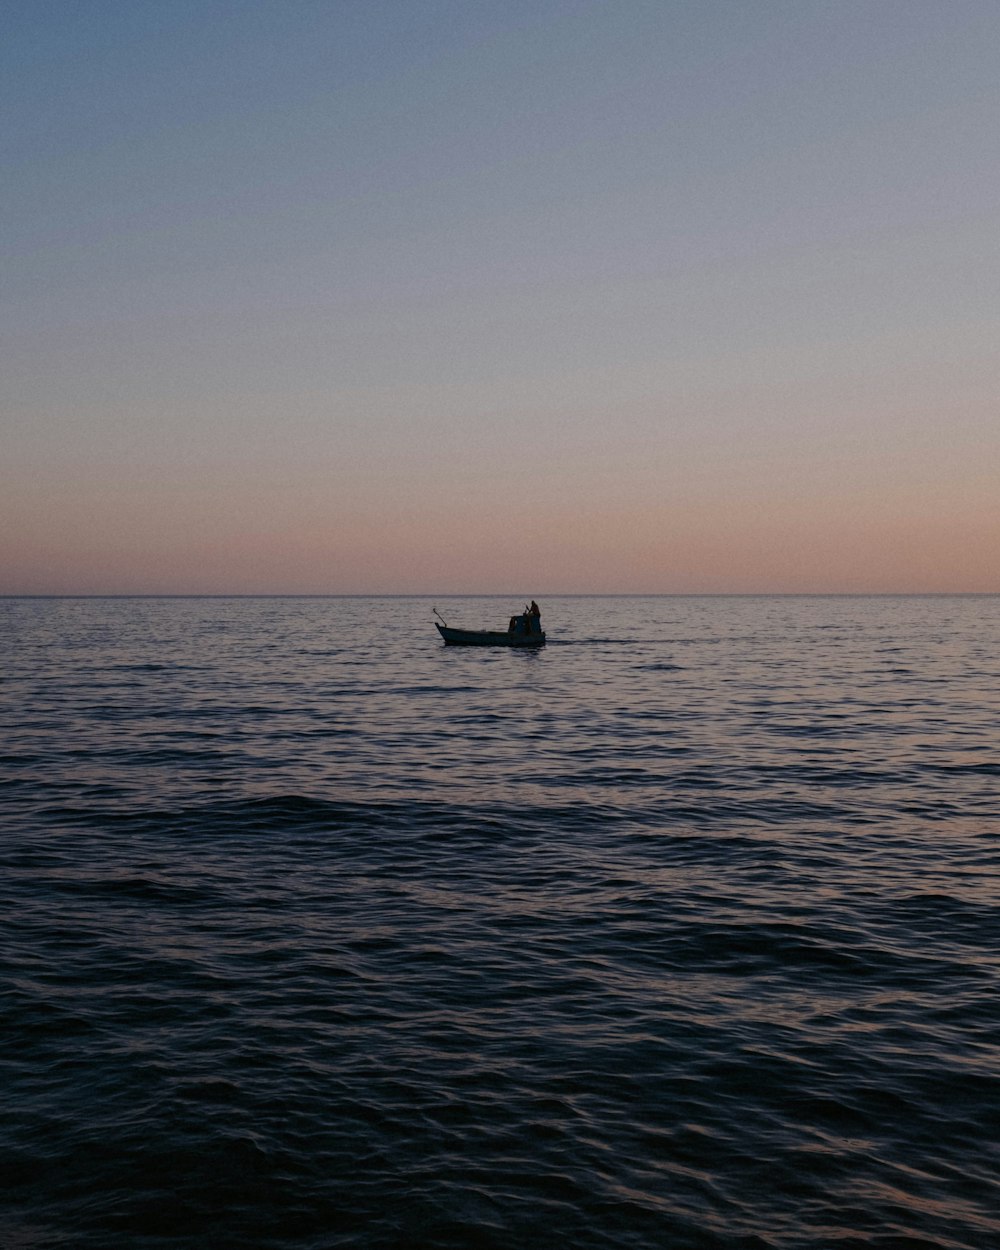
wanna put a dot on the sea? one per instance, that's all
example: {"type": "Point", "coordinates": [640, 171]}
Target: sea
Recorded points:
{"type": "Point", "coordinates": [681, 933]}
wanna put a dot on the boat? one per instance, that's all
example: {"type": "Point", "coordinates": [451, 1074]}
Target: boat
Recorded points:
{"type": "Point", "coordinates": [524, 630]}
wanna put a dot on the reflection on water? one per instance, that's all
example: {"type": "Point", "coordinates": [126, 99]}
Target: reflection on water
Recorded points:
{"type": "Point", "coordinates": [680, 932]}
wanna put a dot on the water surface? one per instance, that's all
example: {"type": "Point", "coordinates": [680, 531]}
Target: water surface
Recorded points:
{"type": "Point", "coordinates": [681, 932]}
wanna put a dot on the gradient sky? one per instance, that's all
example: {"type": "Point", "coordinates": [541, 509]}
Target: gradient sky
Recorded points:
{"type": "Point", "coordinates": [529, 295]}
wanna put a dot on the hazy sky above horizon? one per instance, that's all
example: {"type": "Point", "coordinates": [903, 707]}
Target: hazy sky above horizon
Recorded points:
{"type": "Point", "coordinates": [529, 295]}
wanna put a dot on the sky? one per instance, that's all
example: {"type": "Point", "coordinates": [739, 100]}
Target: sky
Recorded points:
{"type": "Point", "coordinates": [489, 296]}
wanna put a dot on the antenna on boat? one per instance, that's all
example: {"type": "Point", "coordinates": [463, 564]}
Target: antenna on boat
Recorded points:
{"type": "Point", "coordinates": [439, 616]}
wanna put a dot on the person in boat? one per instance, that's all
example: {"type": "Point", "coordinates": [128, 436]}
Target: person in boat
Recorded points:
{"type": "Point", "coordinates": [528, 622]}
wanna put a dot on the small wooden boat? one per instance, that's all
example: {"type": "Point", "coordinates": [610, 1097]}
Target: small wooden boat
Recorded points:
{"type": "Point", "coordinates": [524, 630]}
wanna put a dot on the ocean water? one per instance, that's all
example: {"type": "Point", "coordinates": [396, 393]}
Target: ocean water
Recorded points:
{"type": "Point", "coordinates": [683, 932]}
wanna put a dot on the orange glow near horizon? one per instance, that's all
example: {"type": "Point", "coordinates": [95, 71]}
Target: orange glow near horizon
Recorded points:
{"type": "Point", "coordinates": [141, 541]}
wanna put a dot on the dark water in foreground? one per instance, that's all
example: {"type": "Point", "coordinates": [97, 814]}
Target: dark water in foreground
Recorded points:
{"type": "Point", "coordinates": [684, 932]}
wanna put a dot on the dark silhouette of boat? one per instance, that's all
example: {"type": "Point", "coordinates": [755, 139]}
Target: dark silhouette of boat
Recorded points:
{"type": "Point", "coordinates": [524, 630]}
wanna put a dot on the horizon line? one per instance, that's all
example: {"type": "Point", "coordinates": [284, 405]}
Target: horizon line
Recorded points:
{"type": "Point", "coordinates": [566, 594]}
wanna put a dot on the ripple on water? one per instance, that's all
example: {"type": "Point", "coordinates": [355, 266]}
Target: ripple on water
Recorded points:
{"type": "Point", "coordinates": [680, 933]}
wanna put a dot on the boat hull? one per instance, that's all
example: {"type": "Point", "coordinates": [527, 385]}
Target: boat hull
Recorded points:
{"type": "Point", "coordinates": [488, 638]}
